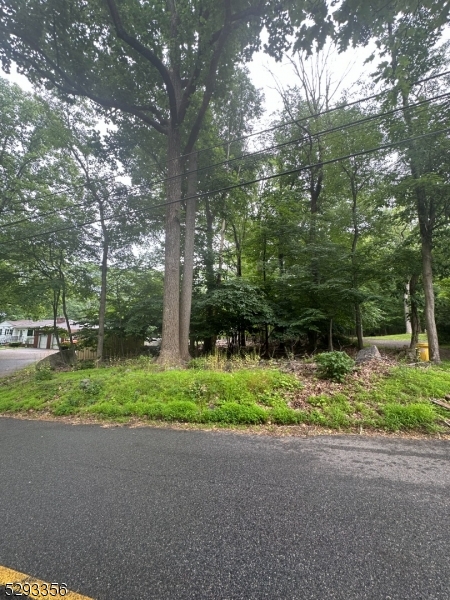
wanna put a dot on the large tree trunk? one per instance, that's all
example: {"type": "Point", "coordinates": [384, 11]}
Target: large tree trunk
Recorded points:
{"type": "Point", "coordinates": [427, 278]}
{"type": "Point", "coordinates": [426, 210]}
{"type": "Point", "coordinates": [188, 266]}
{"type": "Point", "coordinates": [209, 343]}
{"type": "Point", "coordinates": [103, 290]}
{"type": "Point", "coordinates": [170, 343]}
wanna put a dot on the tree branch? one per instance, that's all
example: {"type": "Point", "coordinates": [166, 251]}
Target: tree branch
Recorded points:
{"type": "Point", "coordinates": [147, 54]}
{"type": "Point", "coordinates": [75, 89]}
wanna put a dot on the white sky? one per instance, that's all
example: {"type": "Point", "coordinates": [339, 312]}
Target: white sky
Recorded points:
{"type": "Point", "coordinates": [268, 75]}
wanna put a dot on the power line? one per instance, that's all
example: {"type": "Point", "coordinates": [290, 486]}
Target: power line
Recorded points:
{"type": "Point", "coordinates": [248, 155]}
{"type": "Point", "coordinates": [268, 130]}
{"type": "Point", "coordinates": [313, 116]}
{"type": "Point", "coordinates": [74, 187]}
{"type": "Point", "coordinates": [251, 182]}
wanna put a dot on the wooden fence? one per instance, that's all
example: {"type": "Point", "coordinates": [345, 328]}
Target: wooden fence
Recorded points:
{"type": "Point", "coordinates": [86, 354]}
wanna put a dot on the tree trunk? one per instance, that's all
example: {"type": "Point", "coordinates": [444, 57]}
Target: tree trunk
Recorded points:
{"type": "Point", "coordinates": [427, 278]}
{"type": "Point", "coordinates": [221, 246]}
{"type": "Point", "coordinates": [407, 308]}
{"type": "Point", "coordinates": [330, 336]}
{"type": "Point", "coordinates": [209, 255]}
{"type": "Point", "coordinates": [55, 304]}
{"type": "Point", "coordinates": [238, 244]}
{"type": "Point", "coordinates": [170, 343]}
{"type": "Point", "coordinates": [103, 290]}
{"type": "Point", "coordinates": [414, 312]}
{"type": "Point", "coordinates": [66, 317]}
{"type": "Point", "coordinates": [426, 211]}
{"type": "Point", "coordinates": [209, 343]}
{"type": "Point", "coordinates": [355, 283]}
{"type": "Point", "coordinates": [358, 326]}
{"type": "Point", "coordinates": [188, 266]}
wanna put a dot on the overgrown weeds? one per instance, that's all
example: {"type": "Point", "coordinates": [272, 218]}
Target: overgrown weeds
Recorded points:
{"type": "Point", "coordinates": [239, 391]}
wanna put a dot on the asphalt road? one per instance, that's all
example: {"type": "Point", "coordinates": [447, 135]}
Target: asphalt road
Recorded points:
{"type": "Point", "coordinates": [13, 359]}
{"type": "Point", "coordinates": [123, 513]}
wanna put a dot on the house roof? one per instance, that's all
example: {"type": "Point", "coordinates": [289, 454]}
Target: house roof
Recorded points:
{"type": "Point", "coordinates": [28, 324]}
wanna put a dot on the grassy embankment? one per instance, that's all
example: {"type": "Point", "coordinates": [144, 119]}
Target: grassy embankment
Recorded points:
{"type": "Point", "coordinates": [236, 393]}
{"type": "Point", "coordinates": [397, 337]}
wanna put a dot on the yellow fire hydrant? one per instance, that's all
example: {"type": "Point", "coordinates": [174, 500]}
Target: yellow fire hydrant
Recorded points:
{"type": "Point", "coordinates": [422, 350]}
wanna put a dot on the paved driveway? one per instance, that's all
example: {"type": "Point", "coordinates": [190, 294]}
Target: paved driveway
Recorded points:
{"type": "Point", "coordinates": [13, 359]}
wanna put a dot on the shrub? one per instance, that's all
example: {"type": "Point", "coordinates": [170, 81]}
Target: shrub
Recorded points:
{"type": "Point", "coordinates": [81, 365]}
{"type": "Point", "coordinates": [180, 410]}
{"type": "Point", "coordinates": [335, 365]}
{"type": "Point", "coordinates": [283, 415]}
{"type": "Point", "coordinates": [43, 374]}
{"type": "Point", "coordinates": [90, 387]}
{"type": "Point", "coordinates": [232, 412]}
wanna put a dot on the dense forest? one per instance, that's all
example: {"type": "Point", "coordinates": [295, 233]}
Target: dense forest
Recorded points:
{"type": "Point", "coordinates": [140, 197]}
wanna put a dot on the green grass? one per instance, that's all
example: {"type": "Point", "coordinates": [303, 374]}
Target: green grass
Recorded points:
{"type": "Point", "coordinates": [398, 337]}
{"type": "Point", "coordinates": [399, 401]}
{"type": "Point", "coordinates": [240, 395]}
{"type": "Point", "coordinates": [141, 390]}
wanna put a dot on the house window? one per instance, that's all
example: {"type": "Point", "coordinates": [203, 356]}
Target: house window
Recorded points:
{"type": "Point", "coordinates": [29, 333]}
{"type": "Point", "coordinates": [1, 332]}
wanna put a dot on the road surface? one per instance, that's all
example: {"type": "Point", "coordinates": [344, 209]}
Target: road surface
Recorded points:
{"type": "Point", "coordinates": [141, 513]}
{"type": "Point", "coordinates": [13, 359]}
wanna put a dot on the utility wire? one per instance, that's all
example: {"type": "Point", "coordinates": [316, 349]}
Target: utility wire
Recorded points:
{"type": "Point", "coordinates": [245, 183]}
{"type": "Point", "coordinates": [263, 151]}
{"type": "Point", "coordinates": [268, 130]}
{"type": "Point", "coordinates": [313, 116]}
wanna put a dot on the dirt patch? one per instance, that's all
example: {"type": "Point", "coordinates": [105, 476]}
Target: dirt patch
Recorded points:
{"type": "Point", "coordinates": [364, 375]}
{"type": "Point", "coordinates": [301, 430]}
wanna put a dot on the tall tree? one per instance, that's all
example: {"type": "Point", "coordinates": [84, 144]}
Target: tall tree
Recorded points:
{"type": "Point", "coordinates": [158, 62]}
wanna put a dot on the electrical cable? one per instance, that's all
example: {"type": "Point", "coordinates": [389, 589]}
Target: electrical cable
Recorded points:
{"type": "Point", "coordinates": [248, 155]}
{"type": "Point", "coordinates": [251, 182]}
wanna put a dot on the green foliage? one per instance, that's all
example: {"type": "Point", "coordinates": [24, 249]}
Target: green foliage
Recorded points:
{"type": "Point", "coordinates": [410, 416]}
{"type": "Point", "coordinates": [283, 415]}
{"type": "Point", "coordinates": [241, 397]}
{"type": "Point", "coordinates": [335, 365]}
{"type": "Point", "coordinates": [234, 305]}
{"type": "Point", "coordinates": [235, 413]}
{"type": "Point", "coordinates": [43, 374]}
{"type": "Point", "coordinates": [82, 365]}
{"type": "Point", "coordinates": [91, 387]}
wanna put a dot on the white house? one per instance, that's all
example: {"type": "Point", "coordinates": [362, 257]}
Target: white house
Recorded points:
{"type": "Point", "coordinates": [28, 332]}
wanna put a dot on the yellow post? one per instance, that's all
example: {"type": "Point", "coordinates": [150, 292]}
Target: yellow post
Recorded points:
{"type": "Point", "coordinates": [422, 348]}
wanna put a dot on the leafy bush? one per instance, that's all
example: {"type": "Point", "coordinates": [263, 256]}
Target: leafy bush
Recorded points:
{"type": "Point", "coordinates": [81, 365]}
{"type": "Point", "coordinates": [335, 365]}
{"type": "Point", "coordinates": [283, 415]}
{"type": "Point", "coordinates": [15, 344]}
{"type": "Point", "coordinates": [90, 387]}
{"type": "Point", "coordinates": [232, 412]}
{"type": "Point", "coordinates": [43, 374]}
